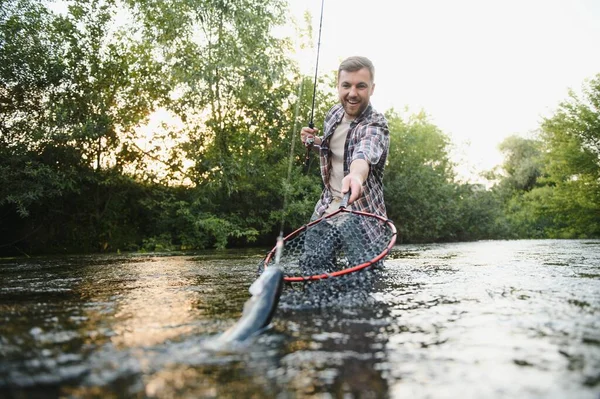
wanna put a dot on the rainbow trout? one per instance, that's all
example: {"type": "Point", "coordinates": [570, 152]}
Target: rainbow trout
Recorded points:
{"type": "Point", "coordinates": [259, 309]}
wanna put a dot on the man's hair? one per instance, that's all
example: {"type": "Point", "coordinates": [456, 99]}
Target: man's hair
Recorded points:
{"type": "Point", "coordinates": [356, 63]}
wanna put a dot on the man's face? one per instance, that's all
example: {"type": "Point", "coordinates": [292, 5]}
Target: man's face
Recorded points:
{"type": "Point", "coordinates": [355, 90]}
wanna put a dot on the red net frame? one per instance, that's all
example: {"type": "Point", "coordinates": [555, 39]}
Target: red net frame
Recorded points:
{"type": "Point", "coordinates": [380, 233]}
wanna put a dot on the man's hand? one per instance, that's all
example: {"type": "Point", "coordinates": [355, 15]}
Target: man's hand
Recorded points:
{"type": "Point", "coordinates": [359, 170]}
{"type": "Point", "coordinates": [307, 134]}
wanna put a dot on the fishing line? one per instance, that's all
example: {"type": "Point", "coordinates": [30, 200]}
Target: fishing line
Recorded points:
{"type": "Point", "coordinates": [287, 186]}
{"type": "Point", "coordinates": [279, 246]}
{"type": "Point", "coordinates": [309, 142]}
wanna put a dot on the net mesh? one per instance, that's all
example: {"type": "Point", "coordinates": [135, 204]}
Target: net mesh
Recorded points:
{"type": "Point", "coordinates": [340, 243]}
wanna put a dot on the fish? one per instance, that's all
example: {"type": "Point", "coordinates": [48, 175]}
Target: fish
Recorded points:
{"type": "Point", "coordinates": [259, 310]}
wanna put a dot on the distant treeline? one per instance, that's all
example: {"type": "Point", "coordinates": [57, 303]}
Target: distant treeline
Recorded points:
{"type": "Point", "coordinates": [78, 173]}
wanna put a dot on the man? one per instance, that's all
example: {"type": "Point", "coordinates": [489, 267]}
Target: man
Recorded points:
{"type": "Point", "coordinates": [355, 144]}
{"type": "Point", "coordinates": [353, 151]}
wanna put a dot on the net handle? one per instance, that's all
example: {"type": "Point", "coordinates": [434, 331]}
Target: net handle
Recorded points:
{"type": "Point", "coordinates": [345, 200]}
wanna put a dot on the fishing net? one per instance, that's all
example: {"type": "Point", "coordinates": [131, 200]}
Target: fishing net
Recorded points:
{"type": "Point", "coordinates": [340, 243]}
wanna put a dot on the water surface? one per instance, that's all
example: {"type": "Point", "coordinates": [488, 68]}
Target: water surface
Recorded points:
{"type": "Point", "coordinates": [497, 319]}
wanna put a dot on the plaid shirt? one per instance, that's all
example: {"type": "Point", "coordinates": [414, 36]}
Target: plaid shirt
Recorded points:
{"type": "Point", "coordinates": [369, 139]}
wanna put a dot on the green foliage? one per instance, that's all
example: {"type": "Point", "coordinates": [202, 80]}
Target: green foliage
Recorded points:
{"type": "Point", "coordinates": [197, 228]}
{"type": "Point", "coordinates": [552, 185]}
{"type": "Point", "coordinates": [573, 135]}
{"type": "Point", "coordinates": [421, 194]}
{"type": "Point", "coordinates": [526, 213]}
{"type": "Point", "coordinates": [241, 98]}
{"type": "Point", "coordinates": [70, 96]}
{"type": "Point", "coordinates": [522, 164]}
{"type": "Point", "coordinates": [417, 179]}
{"type": "Point", "coordinates": [479, 214]}
{"type": "Point", "coordinates": [76, 86]}
{"type": "Point", "coordinates": [161, 243]}
{"type": "Point", "coordinates": [31, 69]}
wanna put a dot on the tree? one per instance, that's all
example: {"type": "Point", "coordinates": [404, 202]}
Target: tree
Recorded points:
{"type": "Point", "coordinates": [73, 91]}
{"type": "Point", "coordinates": [31, 72]}
{"type": "Point", "coordinates": [419, 187]}
{"type": "Point", "coordinates": [237, 91]}
{"type": "Point", "coordinates": [552, 184]}
{"type": "Point", "coordinates": [572, 163]}
{"type": "Point", "coordinates": [522, 163]}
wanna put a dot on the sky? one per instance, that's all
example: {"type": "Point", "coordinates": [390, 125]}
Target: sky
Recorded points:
{"type": "Point", "coordinates": [481, 69]}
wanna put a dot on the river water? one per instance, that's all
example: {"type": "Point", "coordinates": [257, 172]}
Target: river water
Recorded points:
{"type": "Point", "coordinates": [492, 319]}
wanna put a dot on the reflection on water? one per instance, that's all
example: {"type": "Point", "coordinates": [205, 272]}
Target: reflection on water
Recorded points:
{"type": "Point", "coordinates": [153, 305]}
{"type": "Point", "coordinates": [499, 319]}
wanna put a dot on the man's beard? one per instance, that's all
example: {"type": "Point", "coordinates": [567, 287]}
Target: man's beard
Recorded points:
{"type": "Point", "coordinates": [358, 111]}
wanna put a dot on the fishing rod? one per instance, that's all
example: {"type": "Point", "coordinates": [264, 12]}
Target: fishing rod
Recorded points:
{"type": "Point", "coordinates": [309, 142]}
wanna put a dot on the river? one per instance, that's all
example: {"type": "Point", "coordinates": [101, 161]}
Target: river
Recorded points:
{"type": "Point", "coordinates": [488, 319]}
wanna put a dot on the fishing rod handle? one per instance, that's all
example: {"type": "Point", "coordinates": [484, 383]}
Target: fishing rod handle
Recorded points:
{"type": "Point", "coordinates": [308, 143]}
{"type": "Point", "coordinates": [310, 140]}
{"type": "Point", "coordinates": [345, 200]}
{"type": "Point", "coordinates": [307, 156]}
